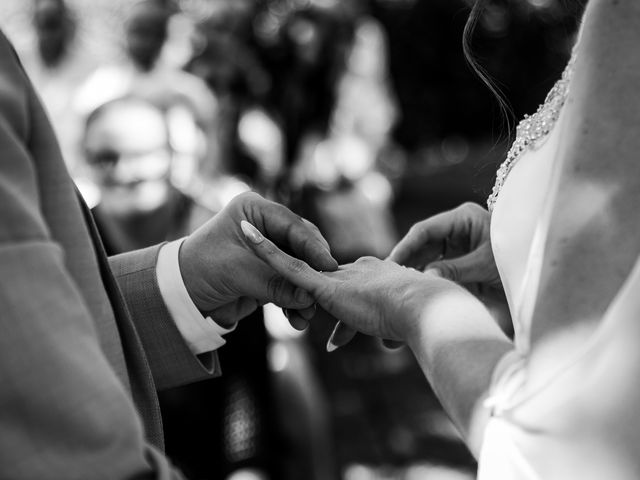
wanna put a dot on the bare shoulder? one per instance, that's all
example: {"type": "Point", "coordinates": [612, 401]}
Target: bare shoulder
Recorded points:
{"type": "Point", "coordinates": [608, 53]}
{"type": "Point", "coordinates": [605, 96]}
{"type": "Point", "coordinates": [613, 18]}
{"type": "Point", "coordinates": [592, 216]}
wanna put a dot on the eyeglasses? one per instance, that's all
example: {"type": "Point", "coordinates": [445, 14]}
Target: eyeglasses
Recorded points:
{"type": "Point", "coordinates": [124, 167]}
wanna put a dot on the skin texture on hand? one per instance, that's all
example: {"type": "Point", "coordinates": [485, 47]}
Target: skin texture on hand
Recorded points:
{"type": "Point", "coordinates": [456, 243]}
{"type": "Point", "coordinates": [227, 280]}
{"type": "Point", "coordinates": [373, 296]}
{"type": "Point", "coordinates": [453, 337]}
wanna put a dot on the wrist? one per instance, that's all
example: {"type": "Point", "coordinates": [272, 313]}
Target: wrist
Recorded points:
{"type": "Point", "coordinates": [192, 279]}
{"type": "Point", "coordinates": [434, 303]}
{"type": "Point", "coordinates": [418, 304]}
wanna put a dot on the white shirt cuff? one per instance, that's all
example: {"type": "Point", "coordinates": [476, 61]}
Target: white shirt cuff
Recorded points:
{"type": "Point", "coordinates": [201, 334]}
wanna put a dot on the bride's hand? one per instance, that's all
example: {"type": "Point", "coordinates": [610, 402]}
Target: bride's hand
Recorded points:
{"type": "Point", "coordinates": [455, 243]}
{"type": "Point", "coordinates": [373, 296]}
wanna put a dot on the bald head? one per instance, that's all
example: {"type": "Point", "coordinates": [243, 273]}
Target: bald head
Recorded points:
{"type": "Point", "coordinates": [127, 150]}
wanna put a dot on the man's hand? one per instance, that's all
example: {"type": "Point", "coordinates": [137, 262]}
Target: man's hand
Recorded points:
{"type": "Point", "coordinates": [224, 277]}
{"type": "Point", "coordinates": [372, 296]}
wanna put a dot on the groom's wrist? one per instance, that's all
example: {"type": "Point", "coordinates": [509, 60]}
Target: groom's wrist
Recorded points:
{"type": "Point", "coordinates": [194, 280]}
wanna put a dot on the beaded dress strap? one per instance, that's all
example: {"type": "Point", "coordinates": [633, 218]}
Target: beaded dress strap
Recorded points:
{"type": "Point", "coordinates": [534, 129]}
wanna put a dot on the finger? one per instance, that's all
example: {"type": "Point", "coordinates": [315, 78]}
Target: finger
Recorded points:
{"type": "Point", "coordinates": [311, 226]}
{"type": "Point", "coordinates": [295, 271]}
{"type": "Point", "coordinates": [229, 314]}
{"type": "Point", "coordinates": [278, 290]}
{"type": "Point", "coordinates": [434, 230]}
{"type": "Point", "coordinates": [296, 320]}
{"type": "Point", "coordinates": [309, 312]}
{"type": "Point", "coordinates": [392, 344]}
{"type": "Point", "coordinates": [300, 235]}
{"type": "Point", "coordinates": [476, 266]}
{"type": "Point", "coordinates": [341, 335]}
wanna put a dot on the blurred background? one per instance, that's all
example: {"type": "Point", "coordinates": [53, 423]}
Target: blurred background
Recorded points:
{"type": "Point", "coordinates": [361, 115]}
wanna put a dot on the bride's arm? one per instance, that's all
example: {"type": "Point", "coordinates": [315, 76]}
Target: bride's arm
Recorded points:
{"type": "Point", "coordinates": [458, 344]}
{"type": "Point", "coordinates": [454, 338]}
{"type": "Point", "coordinates": [593, 216]}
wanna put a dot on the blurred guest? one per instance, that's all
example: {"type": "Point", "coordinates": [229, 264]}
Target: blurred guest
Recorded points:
{"type": "Point", "coordinates": [559, 400]}
{"type": "Point", "coordinates": [338, 168]}
{"type": "Point", "coordinates": [88, 340]}
{"type": "Point", "coordinates": [127, 149]}
{"type": "Point", "coordinates": [313, 43]}
{"type": "Point", "coordinates": [57, 65]}
{"type": "Point", "coordinates": [252, 138]}
{"type": "Point", "coordinates": [128, 152]}
{"type": "Point", "coordinates": [227, 60]}
{"type": "Point", "coordinates": [190, 107]}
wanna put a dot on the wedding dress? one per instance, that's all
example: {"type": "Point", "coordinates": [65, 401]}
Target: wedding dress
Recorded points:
{"type": "Point", "coordinates": [516, 228]}
{"type": "Point", "coordinates": [576, 418]}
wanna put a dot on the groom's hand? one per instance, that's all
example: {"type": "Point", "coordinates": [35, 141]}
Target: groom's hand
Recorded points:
{"type": "Point", "coordinates": [224, 277]}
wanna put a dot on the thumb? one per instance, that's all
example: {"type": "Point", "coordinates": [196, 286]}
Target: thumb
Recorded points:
{"type": "Point", "coordinates": [477, 266]}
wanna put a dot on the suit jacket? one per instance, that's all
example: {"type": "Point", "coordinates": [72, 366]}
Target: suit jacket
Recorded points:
{"type": "Point", "coordinates": [85, 341]}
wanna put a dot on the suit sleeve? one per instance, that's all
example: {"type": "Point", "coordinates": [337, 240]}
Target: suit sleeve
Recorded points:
{"type": "Point", "coordinates": [63, 411]}
{"type": "Point", "coordinates": [170, 358]}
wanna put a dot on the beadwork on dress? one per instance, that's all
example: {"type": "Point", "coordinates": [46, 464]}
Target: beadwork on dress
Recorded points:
{"type": "Point", "coordinates": [534, 129]}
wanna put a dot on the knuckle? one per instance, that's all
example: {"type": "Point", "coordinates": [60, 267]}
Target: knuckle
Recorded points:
{"type": "Point", "coordinates": [472, 208]}
{"type": "Point", "coordinates": [295, 266]}
{"type": "Point", "coordinates": [275, 287]}
{"type": "Point", "coordinates": [415, 230]}
{"type": "Point", "coordinates": [326, 295]}
{"type": "Point", "coordinates": [315, 231]}
{"type": "Point", "coordinates": [246, 198]}
{"type": "Point", "coordinates": [465, 209]}
{"type": "Point", "coordinates": [268, 248]}
{"type": "Point", "coordinates": [451, 271]}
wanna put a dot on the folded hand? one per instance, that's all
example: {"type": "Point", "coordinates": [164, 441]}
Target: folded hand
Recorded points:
{"type": "Point", "coordinates": [373, 296]}
{"type": "Point", "coordinates": [225, 278]}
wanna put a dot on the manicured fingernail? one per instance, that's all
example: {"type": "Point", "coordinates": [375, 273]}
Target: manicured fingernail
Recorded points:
{"type": "Point", "coordinates": [251, 232]}
{"type": "Point", "coordinates": [330, 345]}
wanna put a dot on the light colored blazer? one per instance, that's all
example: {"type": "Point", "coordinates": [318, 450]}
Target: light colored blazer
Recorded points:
{"type": "Point", "coordinates": [80, 336]}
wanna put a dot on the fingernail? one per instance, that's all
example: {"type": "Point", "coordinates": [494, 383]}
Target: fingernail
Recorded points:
{"type": "Point", "coordinates": [298, 322]}
{"type": "Point", "coordinates": [330, 345]}
{"type": "Point", "coordinates": [251, 232]}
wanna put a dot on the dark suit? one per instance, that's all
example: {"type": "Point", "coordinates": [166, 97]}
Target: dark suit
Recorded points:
{"type": "Point", "coordinates": [80, 335]}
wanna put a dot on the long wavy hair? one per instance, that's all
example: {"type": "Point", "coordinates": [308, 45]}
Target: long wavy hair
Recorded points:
{"type": "Point", "coordinates": [506, 112]}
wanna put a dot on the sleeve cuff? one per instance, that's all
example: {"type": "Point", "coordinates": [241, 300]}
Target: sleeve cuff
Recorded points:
{"type": "Point", "coordinates": [202, 334]}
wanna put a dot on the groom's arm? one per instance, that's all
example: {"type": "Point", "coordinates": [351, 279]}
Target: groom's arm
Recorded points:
{"type": "Point", "coordinates": [63, 411]}
{"type": "Point", "coordinates": [170, 357]}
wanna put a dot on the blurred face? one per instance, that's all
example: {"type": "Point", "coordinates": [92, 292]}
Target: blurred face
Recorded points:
{"type": "Point", "coordinates": [306, 38]}
{"type": "Point", "coordinates": [53, 27]}
{"type": "Point", "coordinates": [129, 158]}
{"type": "Point", "coordinates": [146, 32]}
